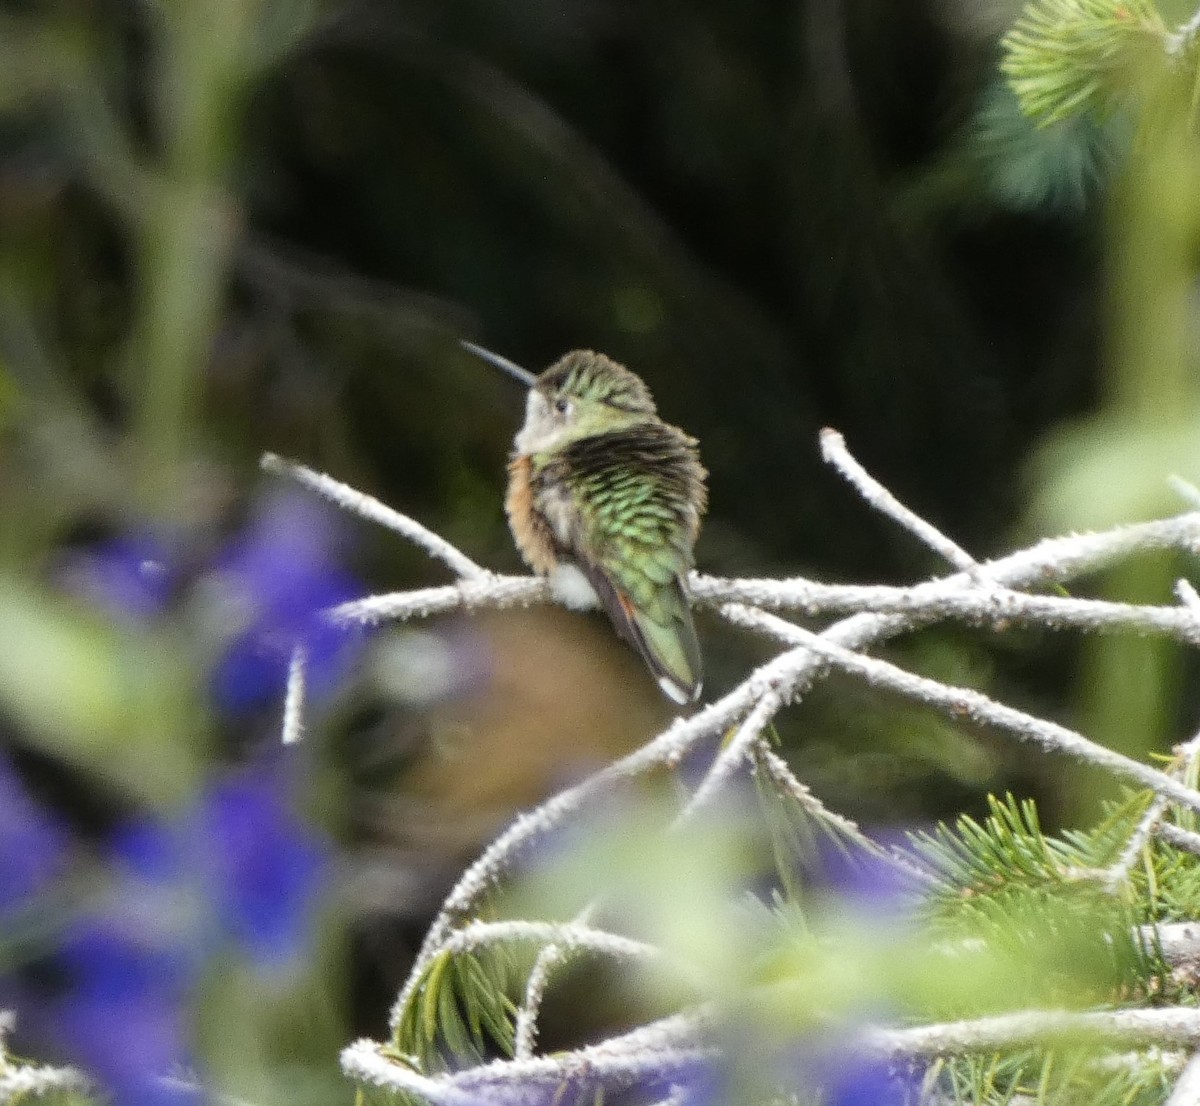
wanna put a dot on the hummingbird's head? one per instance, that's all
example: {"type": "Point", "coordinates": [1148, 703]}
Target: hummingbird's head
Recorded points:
{"type": "Point", "coordinates": [581, 394]}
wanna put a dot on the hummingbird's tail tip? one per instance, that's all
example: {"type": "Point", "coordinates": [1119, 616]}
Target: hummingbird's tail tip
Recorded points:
{"type": "Point", "coordinates": [677, 693]}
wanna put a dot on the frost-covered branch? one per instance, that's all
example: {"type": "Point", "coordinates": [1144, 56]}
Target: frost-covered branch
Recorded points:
{"type": "Point", "coordinates": [22, 1081]}
{"type": "Point", "coordinates": [1115, 876]}
{"type": "Point", "coordinates": [19, 1081]}
{"type": "Point", "coordinates": [1187, 1088]}
{"type": "Point", "coordinates": [570, 937]}
{"type": "Point", "coordinates": [967, 705]}
{"type": "Point", "coordinates": [1175, 1025]}
{"type": "Point", "coordinates": [833, 449]}
{"type": "Point", "coordinates": [370, 508]}
{"type": "Point", "coordinates": [678, 1046]}
{"type": "Point", "coordinates": [994, 594]}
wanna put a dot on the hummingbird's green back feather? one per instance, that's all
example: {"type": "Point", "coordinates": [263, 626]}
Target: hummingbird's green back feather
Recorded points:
{"type": "Point", "coordinates": [639, 493]}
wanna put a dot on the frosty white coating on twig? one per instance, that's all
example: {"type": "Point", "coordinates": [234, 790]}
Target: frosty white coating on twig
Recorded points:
{"type": "Point", "coordinates": [20, 1081]}
{"type": "Point", "coordinates": [833, 449]}
{"type": "Point", "coordinates": [984, 594]}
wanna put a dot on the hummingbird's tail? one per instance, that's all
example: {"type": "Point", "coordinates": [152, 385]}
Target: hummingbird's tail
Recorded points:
{"type": "Point", "coordinates": [673, 655]}
{"type": "Point", "coordinates": [667, 644]}
{"type": "Point", "coordinates": [660, 629]}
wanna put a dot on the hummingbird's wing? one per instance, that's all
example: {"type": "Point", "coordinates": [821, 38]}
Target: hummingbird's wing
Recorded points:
{"type": "Point", "coordinates": [639, 495]}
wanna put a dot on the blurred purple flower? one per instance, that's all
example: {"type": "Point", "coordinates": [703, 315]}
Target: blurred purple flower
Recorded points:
{"type": "Point", "coordinates": [281, 573]}
{"type": "Point", "coordinates": [129, 576]}
{"type": "Point", "coordinates": [33, 846]}
{"type": "Point", "coordinates": [872, 885]}
{"type": "Point", "coordinates": [270, 584]}
{"type": "Point", "coordinates": [122, 1017]}
{"type": "Point", "coordinates": [241, 869]}
{"type": "Point", "coordinates": [830, 1063]}
{"type": "Point", "coordinates": [859, 1082]}
{"type": "Point", "coordinates": [267, 868]}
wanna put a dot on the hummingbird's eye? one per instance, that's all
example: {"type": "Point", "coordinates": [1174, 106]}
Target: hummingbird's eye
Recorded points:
{"type": "Point", "coordinates": [562, 406]}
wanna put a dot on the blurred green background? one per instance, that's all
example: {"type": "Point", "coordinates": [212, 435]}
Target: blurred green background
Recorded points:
{"type": "Point", "coordinates": [250, 225]}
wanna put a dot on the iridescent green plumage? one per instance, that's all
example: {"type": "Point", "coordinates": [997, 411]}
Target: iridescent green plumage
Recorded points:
{"type": "Point", "coordinates": [600, 484]}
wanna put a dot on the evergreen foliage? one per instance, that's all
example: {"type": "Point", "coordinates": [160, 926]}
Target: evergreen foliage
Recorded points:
{"type": "Point", "coordinates": [1068, 56]}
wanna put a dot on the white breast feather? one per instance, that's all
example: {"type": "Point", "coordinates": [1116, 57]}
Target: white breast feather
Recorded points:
{"type": "Point", "coordinates": [571, 588]}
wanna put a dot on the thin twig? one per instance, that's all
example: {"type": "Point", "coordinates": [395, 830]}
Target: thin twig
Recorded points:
{"type": "Point", "coordinates": [1179, 838]}
{"type": "Point", "coordinates": [34, 1080]}
{"type": "Point", "coordinates": [659, 1050]}
{"type": "Point", "coordinates": [370, 508]}
{"type": "Point", "coordinates": [1115, 876]}
{"type": "Point", "coordinates": [783, 778]}
{"type": "Point", "coordinates": [736, 749]}
{"type": "Point", "coordinates": [364, 1062]}
{"type": "Point", "coordinates": [835, 451]}
{"type": "Point", "coordinates": [946, 600]}
{"type": "Point", "coordinates": [1178, 942]}
{"type": "Point", "coordinates": [293, 703]}
{"type": "Point", "coordinates": [525, 1025]}
{"type": "Point", "coordinates": [494, 592]}
{"type": "Point", "coordinates": [967, 704]}
{"type": "Point", "coordinates": [1176, 1025]}
{"type": "Point", "coordinates": [570, 936]}
{"type": "Point", "coordinates": [1177, 44]}
{"type": "Point", "coordinates": [1185, 489]}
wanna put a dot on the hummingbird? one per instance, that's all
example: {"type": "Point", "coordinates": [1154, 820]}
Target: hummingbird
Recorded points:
{"type": "Point", "coordinates": [605, 500]}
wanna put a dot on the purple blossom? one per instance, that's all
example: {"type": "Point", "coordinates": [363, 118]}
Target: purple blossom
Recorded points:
{"type": "Point", "coordinates": [266, 868]}
{"type": "Point", "coordinates": [239, 870]}
{"type": "Point", "coordinates": [267, 587]}
{"type": "Point", "coordinates": [859, 1082]}
{"type": "Point", "coordinates": [831, 1064]}
{"type": "Point", "coordinates": [278, 577]}
{"type": "Point", "coordinates": [33, 846]}
{"type": "Point", "coordinates": [131, 576]}
{"type": "Point", "coordinates": [122, 1017]}
{"type": "Point", "coordinates": [871, 885]}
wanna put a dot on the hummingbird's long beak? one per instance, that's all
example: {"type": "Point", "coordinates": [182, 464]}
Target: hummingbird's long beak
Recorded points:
{"type": "Point", "coordinates": [502, 363]}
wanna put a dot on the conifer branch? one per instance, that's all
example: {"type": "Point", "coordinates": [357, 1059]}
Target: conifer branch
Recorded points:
{"type": "Point", "coordinates": [1162, 1026]}
{"type": "Point", "coordinates": [293, 703]}
{"type": "Point", "coordinates": [833, 449]}
{"type": "Point", "coordinates": [967, 704]}
{"type": "Point", "coordinates": [368, 507]}
{"type": "Point", "coordinates": [569, 937]}
{"type": "Point", "coordinates": [20, 1081]}
{"type": "Point", "coordinates": [988, 594]}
